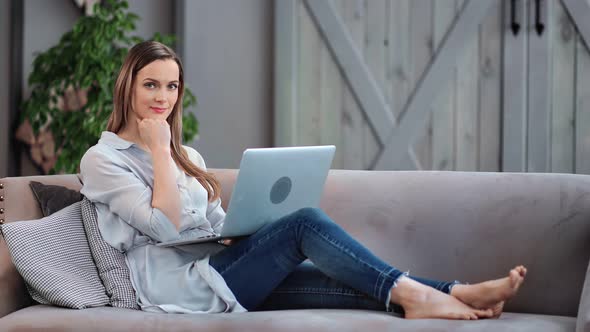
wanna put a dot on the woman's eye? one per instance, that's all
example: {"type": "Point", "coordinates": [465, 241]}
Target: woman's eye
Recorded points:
{"type": "Point", "coordinates": [173, 86]}
{"type": "Point", "coordinates": [150, 85]}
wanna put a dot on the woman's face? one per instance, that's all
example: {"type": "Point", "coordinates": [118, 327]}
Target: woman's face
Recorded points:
{"type": "Point", "coordinates": [155, 91]}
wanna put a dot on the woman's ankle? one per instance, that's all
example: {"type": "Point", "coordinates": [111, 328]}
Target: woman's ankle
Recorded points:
{"type": "Point", "coordinates": [458, 290]}
{"type": "Point", "coordinates": [407, 290]}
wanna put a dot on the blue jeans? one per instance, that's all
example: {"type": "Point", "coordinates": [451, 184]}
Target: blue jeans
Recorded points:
{"type": "Point", "coordinates": [268, 270]}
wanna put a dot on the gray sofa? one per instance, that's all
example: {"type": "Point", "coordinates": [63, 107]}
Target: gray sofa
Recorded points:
{"type": "Point", "coordinates": [444, 225]}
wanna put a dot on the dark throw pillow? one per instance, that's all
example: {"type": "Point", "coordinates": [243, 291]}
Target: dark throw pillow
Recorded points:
{"type": "Point", "coordinates": [53, 198]}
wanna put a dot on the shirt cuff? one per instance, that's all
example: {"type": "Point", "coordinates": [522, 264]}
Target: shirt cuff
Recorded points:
{"type": "Point", "coordinates": [217, 228]}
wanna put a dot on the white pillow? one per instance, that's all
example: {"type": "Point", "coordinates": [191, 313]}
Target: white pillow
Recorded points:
{"type": "Point", "coordinates": [110, 262]}
{"type": "Point", "coordinates": [53, 257]}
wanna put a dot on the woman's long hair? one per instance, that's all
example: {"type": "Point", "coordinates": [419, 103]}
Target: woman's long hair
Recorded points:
{"type": "Point", "coordinates": [138, 57]}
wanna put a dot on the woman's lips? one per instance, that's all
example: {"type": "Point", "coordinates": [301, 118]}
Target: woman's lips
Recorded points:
{"type": "Point", "coordinates": [158, 110]}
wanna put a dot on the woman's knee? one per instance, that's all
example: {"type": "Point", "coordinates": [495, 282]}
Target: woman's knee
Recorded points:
{"type": "Point", "coordinates": [304, 216]}
{"type": "Point", "coordinates": [313, 215]}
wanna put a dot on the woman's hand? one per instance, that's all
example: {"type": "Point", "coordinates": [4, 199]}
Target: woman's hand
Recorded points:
{"type": "Point", "coordinates": [154, 133]}
{"type": "Point", "coordinates": [227, 242]}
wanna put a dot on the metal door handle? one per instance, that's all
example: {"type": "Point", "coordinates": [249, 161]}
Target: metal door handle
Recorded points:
{"type": "Point", "coordinates": [539, 25]}
{"type": "Point", "coordinates": [514, 25]}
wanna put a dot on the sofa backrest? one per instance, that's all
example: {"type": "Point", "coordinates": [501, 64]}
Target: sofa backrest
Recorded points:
{"type": "Point", "coordinates": [474, 226]}
{"type": "Point", "coordinates": [441, 225]}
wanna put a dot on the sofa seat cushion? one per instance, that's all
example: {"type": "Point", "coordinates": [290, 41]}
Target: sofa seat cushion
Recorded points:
{"type": "Point", "coordinates": [49, 318]}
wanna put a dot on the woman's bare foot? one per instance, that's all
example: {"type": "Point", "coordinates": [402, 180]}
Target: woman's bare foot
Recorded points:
{"type": "Point", "coordinates": [421, 301]}
{"type": "Point", "coordinates": [493, 293]}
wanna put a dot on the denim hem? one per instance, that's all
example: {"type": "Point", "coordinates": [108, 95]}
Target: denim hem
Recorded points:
{"type": "Point", "coordinates": [388, 300]}
{"type": "Point", "coordinates": [452, 284]}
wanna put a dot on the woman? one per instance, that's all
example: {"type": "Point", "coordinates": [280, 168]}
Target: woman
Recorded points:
{"type": "Point", "coordinates": [148, 188]}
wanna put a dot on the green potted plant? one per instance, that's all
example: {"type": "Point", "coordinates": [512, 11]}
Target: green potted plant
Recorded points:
{"type": "Point", "coordinates": [72, 85]}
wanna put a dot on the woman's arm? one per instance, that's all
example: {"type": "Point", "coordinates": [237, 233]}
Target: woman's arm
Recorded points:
{"type": "Point", "coordinates": [108, 180]}
{"type": "Point", "coordinates": [215, 213]}
{"type": "Point", "coordinates": [155, 134]}
{"type": "Point", "coordinates": [166, 196]}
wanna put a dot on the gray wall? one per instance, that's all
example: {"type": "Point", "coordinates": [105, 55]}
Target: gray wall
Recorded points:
{"type": "Point", "coordinates": [44, 24]}
{"type": "Point", "coordinates": [155, 16]}
{"type": "Point", "coordinates": [226, 47]}
{"type": "Point", "coordinates": [4, 85]}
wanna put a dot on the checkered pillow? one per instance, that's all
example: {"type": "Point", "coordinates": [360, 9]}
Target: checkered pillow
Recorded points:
{"type": "Point", "coordinates": [53, 257]}
{"type": "Point", "coordinates": [112, 268]}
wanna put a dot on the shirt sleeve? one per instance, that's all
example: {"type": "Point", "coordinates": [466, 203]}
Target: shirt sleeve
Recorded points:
{"type": "Point", "coordinates": [215, 213]}
{"type": "Point", "coordinates": [115, 185]}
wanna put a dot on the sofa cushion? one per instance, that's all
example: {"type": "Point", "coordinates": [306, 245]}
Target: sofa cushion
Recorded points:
{"type": "Point", "coordinates": [107, 319]}
{"type": "Point", "coordinates": [18, 203]}
{"type": "Point", "coordinates": [53, 257]}
{"type": "Point", "coordinates": [111, 265]}
{"type": "Point", "coordinates": [52, 198]}
{"type": "Point", "coordinates": [112, 269]}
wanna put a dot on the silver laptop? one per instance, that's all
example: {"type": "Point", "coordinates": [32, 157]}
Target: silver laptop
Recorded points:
{"type": "Point", "coordinates": [271, 183]}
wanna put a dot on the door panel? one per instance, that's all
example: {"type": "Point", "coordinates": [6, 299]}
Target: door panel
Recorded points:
{"type": "Point", "coordinates": [403, 46]}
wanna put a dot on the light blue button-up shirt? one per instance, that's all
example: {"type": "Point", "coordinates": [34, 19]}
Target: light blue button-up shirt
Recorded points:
{"type": "Point", "coordinates": [118, 177]}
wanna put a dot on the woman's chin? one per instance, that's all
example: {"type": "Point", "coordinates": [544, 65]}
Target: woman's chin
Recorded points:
{"type": "Point", "coordinates": [155, 116]}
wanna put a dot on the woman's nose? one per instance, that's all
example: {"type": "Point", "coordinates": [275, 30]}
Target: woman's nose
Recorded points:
{"type": "Point", "coordinates": [160, 95]}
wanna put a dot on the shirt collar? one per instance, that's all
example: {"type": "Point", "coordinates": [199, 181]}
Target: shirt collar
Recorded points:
{"type": "Point", "coordinates": [113, 140]}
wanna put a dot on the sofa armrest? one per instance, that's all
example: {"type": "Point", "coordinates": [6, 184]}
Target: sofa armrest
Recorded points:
{"type": "Point", "coordinates": [583, 321]}
{"type": "Point", "coordinates": [13, 291]}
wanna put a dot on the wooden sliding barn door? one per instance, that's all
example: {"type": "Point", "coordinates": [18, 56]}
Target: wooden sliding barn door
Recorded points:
{"type": "Point", "coordinates": [400, 84]}
{"type": "Point", "coordinates": [546, 125]}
